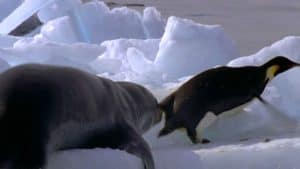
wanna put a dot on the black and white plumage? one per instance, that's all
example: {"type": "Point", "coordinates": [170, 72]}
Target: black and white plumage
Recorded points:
{"type": "Point", "coordinates": [217, 91]}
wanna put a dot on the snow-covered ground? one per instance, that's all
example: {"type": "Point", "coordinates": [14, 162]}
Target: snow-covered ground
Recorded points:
{"type": "Point", "coordinates": [162, 53]}
{"type": "Point", "coordinates": [278, 154]}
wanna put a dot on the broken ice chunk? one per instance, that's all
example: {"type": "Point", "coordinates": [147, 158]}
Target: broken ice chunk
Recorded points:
{"type": "Point", "coordinates": [20, 14]}
{"type": "Point", "coordinates": [138, 62]}
{"type": "Point", "coordinates": [188, 48]}
{"type": "Point", "coordinates": [153, 22]}
{"type": "Point", "coordinates": [57, 9]}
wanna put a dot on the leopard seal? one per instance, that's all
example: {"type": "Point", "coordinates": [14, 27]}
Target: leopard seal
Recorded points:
{"type": "Point", "coordinates": [47, 108]}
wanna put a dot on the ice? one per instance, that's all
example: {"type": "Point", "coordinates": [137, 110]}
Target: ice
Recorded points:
{"type": "Point", "coordinates": [93, 159]}
{"type": "Point", "coordinates": [286, 84]}
{"type": "Point", "coordinates": [153, 22]}
{"type": "Point", "coordinates": [3, 65]}
{"type": "Point", "coordinates": [122, 44]}
{"type": "Point", "coordinates": [256, 120]}
{"type": "Point", "coordinates": [94, 22]}
{"type": "Point", "coordinates": [7, 41]}
{"type": "Point", "coordinates": [6, 7]}
{"type": "Point", "coordinates": [106, 25]}
{"type": "Point", "coordinates": [280, 153]}
{"type": "Point", "coordinates": [59, 30]}
{"type": "Point", "coordinates": [188, 48]}
{"type": "Point", "coordinates": [37, 50]}
{"type": "Point", "coordinates": [138, 62]}
{"type": "Point", "coordinates": [21, 13]}
{"type": "Point", "coordinates": [117, 53]}
{"type": "Point", "coordinates": [57, 9]}
{"type": "Point", "coordinates": [129, 59]}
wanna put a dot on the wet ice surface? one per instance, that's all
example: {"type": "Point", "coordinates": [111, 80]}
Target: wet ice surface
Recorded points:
{"type": "Point", "coordinates": [162, 53]}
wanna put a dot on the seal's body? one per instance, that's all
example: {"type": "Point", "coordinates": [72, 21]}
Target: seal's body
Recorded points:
{"type": "Point", "coordinates": [47, 108]}
{"type": "Point", "coordinates": [218, 91]}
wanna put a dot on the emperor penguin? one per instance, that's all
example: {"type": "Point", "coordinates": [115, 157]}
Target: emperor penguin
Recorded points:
{"type": "Point", "coordinates": [217, 91]}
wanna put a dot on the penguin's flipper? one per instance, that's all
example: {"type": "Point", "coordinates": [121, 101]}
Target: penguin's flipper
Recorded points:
{"type": "Point", "coordinates": [262, 100]}
{"type": "Point", "coordinates": [124, 137]}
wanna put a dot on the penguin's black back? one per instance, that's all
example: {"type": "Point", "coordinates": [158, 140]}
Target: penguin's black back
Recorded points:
{"type": "Point", "coordinates": [222, 88]}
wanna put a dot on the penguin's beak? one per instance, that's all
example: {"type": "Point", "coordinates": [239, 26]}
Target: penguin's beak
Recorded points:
{"type": "Point", "coordinates": [296, 64]}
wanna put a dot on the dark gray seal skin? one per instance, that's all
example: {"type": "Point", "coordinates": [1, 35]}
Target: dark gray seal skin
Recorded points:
{"type": "Point", "coordinates": [49, 108]}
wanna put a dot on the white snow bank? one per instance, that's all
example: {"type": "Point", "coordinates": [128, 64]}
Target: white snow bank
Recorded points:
{"type": "Point", "coordinates": [188, 48]}
{"type": "Point", "coordinates": [93, 159]}
{"type": "Point", "coordinates": [7, 40]}
{"type": "Point", "coordinates": [255, 154]}
{"type": "Point", "coordinates": [129, 59]}
{"type": "Point", "coordinates": [3, 65]}
{"type": "Point", "coordinates": [59, 30]}
{"type": "Point", "coordinates": [286, 84]}
{"type": "Point", "coordinates": [154, 23]}
{"type": "Point", "coordinates": [36, 50]}
{"type": "Point", "coordinates": [24, 11]}
{"type": "Point", "coordinates": [57, 9]}
{"type": "Point", "coordinates": [142, 61]}
{"type": "Point", "coordinates": [256, 120]}
{"type": "Point", "coordinates": [94, 22]}
{"type": "Point", "coordinates": [6, 7]}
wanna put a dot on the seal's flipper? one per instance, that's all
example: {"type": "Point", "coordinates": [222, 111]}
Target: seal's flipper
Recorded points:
{"type": "Point", "coordinates": [138, 146]}
{"type": "Point", "coordinates": [123, 137]}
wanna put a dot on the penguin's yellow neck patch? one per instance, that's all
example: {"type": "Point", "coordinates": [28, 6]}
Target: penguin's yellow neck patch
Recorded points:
{"type": "Point", "coordinates": [271, 71]}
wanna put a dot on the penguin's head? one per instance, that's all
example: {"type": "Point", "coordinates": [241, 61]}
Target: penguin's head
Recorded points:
{"type": "Point", "coordinates": [278, 65]}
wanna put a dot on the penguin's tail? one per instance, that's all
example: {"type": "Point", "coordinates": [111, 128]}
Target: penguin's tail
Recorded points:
{"type": "Point", "coordinates": [166, 105]}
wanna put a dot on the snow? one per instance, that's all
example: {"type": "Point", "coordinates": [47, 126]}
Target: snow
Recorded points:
{"type": "Point", "coordinates": [122, 55]}
{"type": "Point", "coordinates": [93, 159]}
{"type": "Point", "coordinates": [94, 22]}
{"type": "Point", "coordinates": [52, 31]}
{"type": "Point", "coordinates": [286, 84]}
{"type": "Point", "coordinates": [123, 44]}
{"type": "Point", "coordinates": [187, 48]}
{"type": "Point", "coordinates": [153, 22]}
{"type": "Point", "coordinates": [6, 7]}
{"type": "Point", "coordinates": [57, 9]}
{"type": "Point", "coordinates": [280, 153]}
{"type": "Point", "coordinates": [7, 41]}
{"type": "Point", "coordinates": [21, 13]}
{"type": "Point", "coordinates": [37, 50]}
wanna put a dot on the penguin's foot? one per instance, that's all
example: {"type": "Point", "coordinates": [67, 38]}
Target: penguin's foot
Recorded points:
{"type": "Point", "coordinates": [205, 141]}
{"type": "Point", "coordinates": [244, 139]}
{"type": "Point", "coordinates": [266, 140]}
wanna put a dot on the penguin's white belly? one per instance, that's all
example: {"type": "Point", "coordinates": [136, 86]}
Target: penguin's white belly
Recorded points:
{"type": "Point", "coordinates": [210, 117]}
{"type": "Point", "coordinates": [234, 110]}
